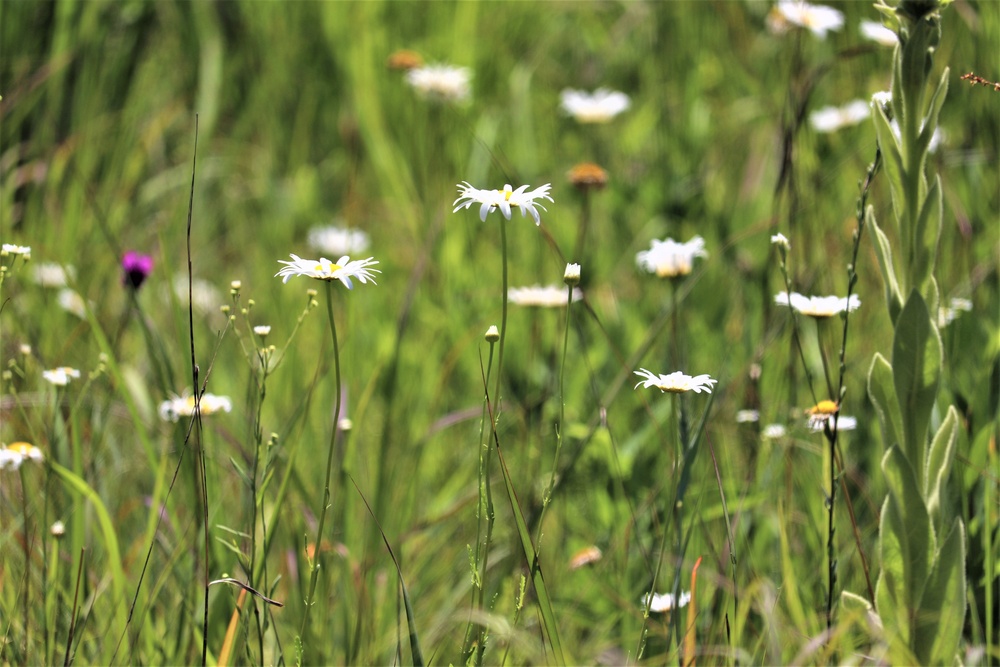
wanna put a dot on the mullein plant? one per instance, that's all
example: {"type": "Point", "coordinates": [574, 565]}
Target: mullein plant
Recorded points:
{"type": "Point", "coordinates": [920, 596]}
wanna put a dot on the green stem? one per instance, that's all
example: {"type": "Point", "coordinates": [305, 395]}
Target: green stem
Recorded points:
{"type": "Point", "coordinates": [311, 598]}
{"type": "Point", "coordinates": [503, 319]}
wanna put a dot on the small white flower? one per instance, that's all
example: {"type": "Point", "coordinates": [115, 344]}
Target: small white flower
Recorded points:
{"type": "Point", "coordinates": [440, 82]}
{"type": "Point", "coordinates": [948, 314]}
{"type": "Point", "coordinates": [551, 296]}
{"type": "Point", "coordinates": [183, 406]}
{"type": "Point", "coordinates": [661, 603]}
{"type": "Point", "coordinates": [878, 33]}
{"type": "Point", "coordinates": [781, 241]}
{"type": "Point", "coordinates": [572, 274]}
{"type": "Point", "coordinates": [819, 19]}
{"type": "Point", "coordinates": [675, 383]}
{"type": "Point", "coordinates": [505, 199]}
{"type": "Point", "coordinates": [831, 119]}
{"type": "Point", "coordinates": [598, 107]}
{"type": "Point", "coordinates": [58, 529]}
{"type": "Point", "coordinates": [818, 306]}
{"type": "Point", "coordinates": [13, 455]}
{"type": "Point", "coordinates": [61, 376]}
{"type": "Point", "coordinates": [323, 269]}
{"type": "Point", "coordinates": [670, 259]}
{"type": "Point", "coordinates": [338, 240]}
{"type": "Point", "coordinates": [773, 431]}
{"type": "Point", "coordinates": [50, 274]}
{"type": "Point", "coordinates": [70, 301]}
{"type": "Point", "coordinates": [13, 249]}
{"type": "Point", "coordinates": [262, 330]}
{"type": "Point", "coordinates": [492, 334]}
{"type": "Point", "coordinates": [844, 423]}
{"type": "Point", "coordinates": [747, 416]}
{"type": "Point", "coordinates": [236, 285]}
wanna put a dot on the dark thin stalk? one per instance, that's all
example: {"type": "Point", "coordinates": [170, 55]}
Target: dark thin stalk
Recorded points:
{"type": "Point", "coordinates": [76, 600]}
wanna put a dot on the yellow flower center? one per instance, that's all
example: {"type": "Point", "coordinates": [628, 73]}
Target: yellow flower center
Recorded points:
{"type": "Point", "coordinates": [329, 268]}
{"type": "Point", "coordinates": [22, 448]}
{"type": "Point", "coordinates": [823, 408]}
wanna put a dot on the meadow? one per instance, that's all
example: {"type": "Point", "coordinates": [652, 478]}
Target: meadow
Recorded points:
{"type": "Point", "coordinates": [376, 476]}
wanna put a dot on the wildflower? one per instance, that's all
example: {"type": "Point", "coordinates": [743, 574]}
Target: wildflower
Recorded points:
{"type": "Point", "coordinates": [773, 431]}
{"type": "Point", "coordinates": [440, 82]}
{"type": "Point", "coordinates": [550, 296]}
{"type": "Point", "coordinates": [670, 259]}
{"type": "Point", "coordinates": [821, 412]}
{"type": "Point", "coordinates": [819, 19]}
{"type": "Point", "coordinates": [404, 59]}
{"type": "Point", "coordinates": [844, 423]}
{"type": "Point", "coordinates": [58, 529]}
{"type": "Point", "coordinates": [675, 383]}
{"type": "Point", "coordinates": [878, 33]}
{"type": "Point", "coordinates": [948, 314]}
{"type": "Point", "coordinates": [661, 603]}
{"type": "Point", "coordinates": [50, 274]}
{"type": "Point", "coordinates": [598, 107]}
{"type": "Point", "coordinates": [572, 275]}
{"type": "Point", "coordinates": [491, 200]}
{"type": "Point", "coordinates": [235, 286]}
{"type": "Point", "coordinates": [818, 307]}
{"type": "Point", "coordinates": [747, 416]}
{"type": "Point", "coordinates": [13, 249]}
{"type": "Point", "coordinates": [183, 406]}
{"type": "Point", "coordinates": [71, 301]}
{"type": "Point", "coordinates": [262, 330]}
{"type": "Point", "coordinates": [492, 334]}
{"type": "Point", "coordinates": [781, 241]}
{"type": "Point", "coordinates": [16, 453]}
{"type": "Point", "coordinates": [831, 119]}
{"type": "Point", "coordinates": [61, 376]}
{"type": "Point", "coordinates": [338, 240]}
{"type": "Point", "coordinates": [585, 556]}
{"type": "Point", "coordinates": [323, 269]}
{"type": "Point", "coordinates": [587, 175]}
{"type": "Point", "coordinates": [136, 267]}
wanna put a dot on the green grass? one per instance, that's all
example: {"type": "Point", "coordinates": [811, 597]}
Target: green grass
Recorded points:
{"type": "Point", "coordinates": [300, 123]}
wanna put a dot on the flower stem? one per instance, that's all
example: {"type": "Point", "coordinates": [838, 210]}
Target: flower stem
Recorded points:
{"type": "Point", "coordinates": [311, 598]}
{"type": "Point", "coordinates": [503, 318]}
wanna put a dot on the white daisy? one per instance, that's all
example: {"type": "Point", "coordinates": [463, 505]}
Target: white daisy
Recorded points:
{"type": "Point", "coordinates": [572, 274]}
{"type": "Point", "coordinates": [670, 259]}
{"type": "Point", "coordinates": [440, 82]}
{"type": "Point", "coordinates": [844, 423]}
{"type": "Point", "coordinates": [338, 240]}
{"type": "Point", "coordinates": [878, 33]}
{"type": "Point", "coordinates": [550, 296]}
{"type": "Point", "coordinates": [675, 383]}
{"type": "Point", "coordinates": [818, 307]}
{"type": "Point", "coordinates": [183, 406]}
{"type": "Point", "coordinates": [831, 119]}
{"type": "Point", "coordinates": [14, 249]}
{"type": "Point", "coordinates": [262, 330]}
{"type": "Point", "coordinates": [773, 431]}
{"type": "Point", "coordinates": [661, 603]}
{"type": "Point", "coordinates": [323, 269]}
{"type": "Point", "coordinates": [819, 19]}
{"type": "Point", "coordinates": [13, 455]}
{"type": "Point", "coordinates": [505, 199]}
{"type": "Point", "coordinates": [61, 376]}
{"type": "Point", "coordinates": [598, 107]}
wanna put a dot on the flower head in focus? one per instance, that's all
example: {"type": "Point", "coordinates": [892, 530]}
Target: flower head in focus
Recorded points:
{"type": "Point", "coordinates": [818, 19]}
{"type": "Point", "coordinates": [61, 376]}
{"type": "Point", "coordinates": [550, 296]}
{"type": "Point", "coordinates": [440, 82]}
{"type": "Point", "coordinates": [819, 307]}
{"type": "Point", "coordinates": [675, 383]}
{"type": "Point", "coordinates": [16, 453]}
{"type": "Point", "coordinates": [670, 259]}
{"type": "Point", "coordinates": [831, 119]}
{"type": "Point", "coordinates": [183, 406]}
{"type": "Point", "coordinates": [571, 276]}
{"type": "Point", "coordinates": [136, 267]}
{"type": "Point", "coordinates": [661, 603]}
{"type": "Point", "coordinates": [490, 200]}
{"type": "Point", "coordinates": [323, 269]}
{"type": "Point", "coordinates": [338, 240]}
{"type": "Point", "coordinates": [598, 107]}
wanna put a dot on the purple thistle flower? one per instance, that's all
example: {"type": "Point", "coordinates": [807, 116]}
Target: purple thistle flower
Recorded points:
{"type": "Point", "coordinates": [136, 268]}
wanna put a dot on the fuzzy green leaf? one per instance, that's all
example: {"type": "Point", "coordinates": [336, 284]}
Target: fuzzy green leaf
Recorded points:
{"type": "Point", "coordinates": [907, 538]}
{"type": "Point", "coordinates": [893, 297]}
{"type": "Point", "coordinates": [882, 391]}
{"type": "Point", "coordinates": [939, 459]}
{"type": "Point", "coordinates": [916, 370]}
{"type": "Point", "coordinates": [926, 238]}
{"type": "Point", "coordinates": [931, 121]}
{"type": "Point", "coordinates": [942, 613]}
{"type": "Point", "coordinates": [892, 158]}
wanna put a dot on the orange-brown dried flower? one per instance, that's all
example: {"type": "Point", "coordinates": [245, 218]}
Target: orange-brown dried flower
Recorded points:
{"type": "Point", "coordinates": [587, 175]}
{"type": "Point", "coordinates": [404, 60]}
